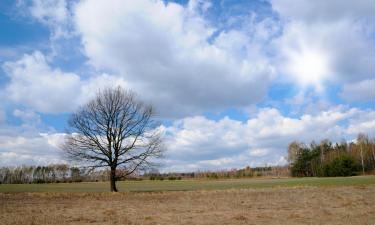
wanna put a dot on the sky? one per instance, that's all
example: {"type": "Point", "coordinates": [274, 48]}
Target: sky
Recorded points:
{"type": "Point", "coordinates": [233, 82]}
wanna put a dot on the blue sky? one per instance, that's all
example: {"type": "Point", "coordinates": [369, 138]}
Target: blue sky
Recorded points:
{"type": "Point", "coordinates": [233, 81]}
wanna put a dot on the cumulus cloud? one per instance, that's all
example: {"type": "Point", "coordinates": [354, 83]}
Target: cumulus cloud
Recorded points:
{"type": "Point", "coordinates": [200, 143]}
{"type": "Point", "coordinates": [33, 83]}
{"type": "Point", "coordinates": [48, 11]}
{"type": "Point", "coordinates": [200, 64]}
{"type": "Point", "coordinates": [53, 13]}
{"type": "Point", "coordinates": [38, 149]}
{"type": "Point", "coordinates": [24, 144]}
{"type": "Point", "coordinates": [169, 54]}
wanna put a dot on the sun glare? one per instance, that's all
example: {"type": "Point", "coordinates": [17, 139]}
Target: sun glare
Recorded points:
{"type": "Point", "coordinates": [309, 67]}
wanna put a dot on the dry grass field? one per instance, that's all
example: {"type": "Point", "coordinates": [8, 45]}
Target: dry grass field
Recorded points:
{"type": "Point", "coordinates": [190, 185]}
{"type": "Point", "coordinates": [276, 205]}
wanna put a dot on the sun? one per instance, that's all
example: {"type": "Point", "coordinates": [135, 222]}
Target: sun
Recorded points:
{"type": "Point", "coordinates": [309, 67]}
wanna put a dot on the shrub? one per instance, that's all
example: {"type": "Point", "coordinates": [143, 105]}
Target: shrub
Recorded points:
{"type": "Point", "coordinates": [39, 181]}
{"type": "Point", "coordinates": [342, 166]}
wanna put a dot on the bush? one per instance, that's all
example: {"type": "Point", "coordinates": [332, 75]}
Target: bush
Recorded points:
{"type": "Point", "coordinates": [39, 181]}
{"type": "Point", "coordinates": [342, 166]}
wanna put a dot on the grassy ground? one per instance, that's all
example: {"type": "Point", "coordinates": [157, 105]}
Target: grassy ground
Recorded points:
{"type": "Point", "coordinates": [278, 205]}
{"type": "Point", "coordinates": [188, 185]}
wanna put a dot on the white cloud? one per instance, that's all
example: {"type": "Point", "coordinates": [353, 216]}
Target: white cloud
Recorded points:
{"type": "Point", "coordinates": [33, 83]}
{"type": "Point", "coordinates": [200, 143]}
{"type": "Point", "coordinates": [34, 150]}
{"type": "Point", "coordinates": [192, 62]}
{"type": "Point", "coordinates": [315, 53]}
{"type": "Point", "coordinates": [363, 122]}
{"type": "Point", "coordinates": [359, 91]}
{"type": "Point", "coordinates": [25, 145]}
{"type": "Point", "coordinates": [54, 14]}
{"type": "Point", "coordinates": [88, 88]}
{"type": "Point", "coordinates": [167, 53]}
{"type": "Point", "coordinates": [367, 127]}
{"type": "Point", "coordinates": [48, 11]}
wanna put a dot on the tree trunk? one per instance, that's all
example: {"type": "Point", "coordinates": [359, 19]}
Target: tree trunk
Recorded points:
{"type": "Point", "coordinates": [363, 166]}
{"type": "Point", "coordinates": [112, 178]}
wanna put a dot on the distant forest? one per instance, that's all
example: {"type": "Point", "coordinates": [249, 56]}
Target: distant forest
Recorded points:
{"type": "Point", "coordinates": [62, 173]}
{"type": "Point", "coordinates": [328, 159]}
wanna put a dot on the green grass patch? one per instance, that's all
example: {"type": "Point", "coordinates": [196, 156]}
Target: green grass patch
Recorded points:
{"type": "Point", "coordinates": [189, 185]}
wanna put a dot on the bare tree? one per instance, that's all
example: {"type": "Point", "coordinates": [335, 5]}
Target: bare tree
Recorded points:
{"type": "Point", "coordinates": [362, 139]}
{"type": "Point", "coordinates": [293, 151]}
{"type": "Point", "coordinates": [114, 130]}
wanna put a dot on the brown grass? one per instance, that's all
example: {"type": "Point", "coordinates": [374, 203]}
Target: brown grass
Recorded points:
{"type": "Point", "coordinates": [298, 205]}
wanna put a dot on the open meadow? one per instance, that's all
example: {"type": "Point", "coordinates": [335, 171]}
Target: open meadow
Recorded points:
{"type": "Point", "coordinates": [189, 185]}
{"type": "Point", "coordinates": [347, 200]}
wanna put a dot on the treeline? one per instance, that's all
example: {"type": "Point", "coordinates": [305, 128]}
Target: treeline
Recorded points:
{"type": "Point", "coordinates": [247, 172]}
{"type": "Point", "coordinates": [49, 174]}
{"type": "Point", "coordinates": [62, 173]}
{"type": "Point", "coordinates": [328, 159]}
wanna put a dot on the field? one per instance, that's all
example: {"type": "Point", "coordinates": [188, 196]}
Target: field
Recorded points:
{"type": "Point", "coordinates": [250, 201]}
{"type": "Point", "coordinates": [189, 185]}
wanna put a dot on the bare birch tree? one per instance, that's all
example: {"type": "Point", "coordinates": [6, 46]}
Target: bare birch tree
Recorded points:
{"type": "Point", "coordinates": [114, 130]}
{"type": "Point", "coordinates": [362, 139]}
{"type": "Point", "coordinates": [293, 151]}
